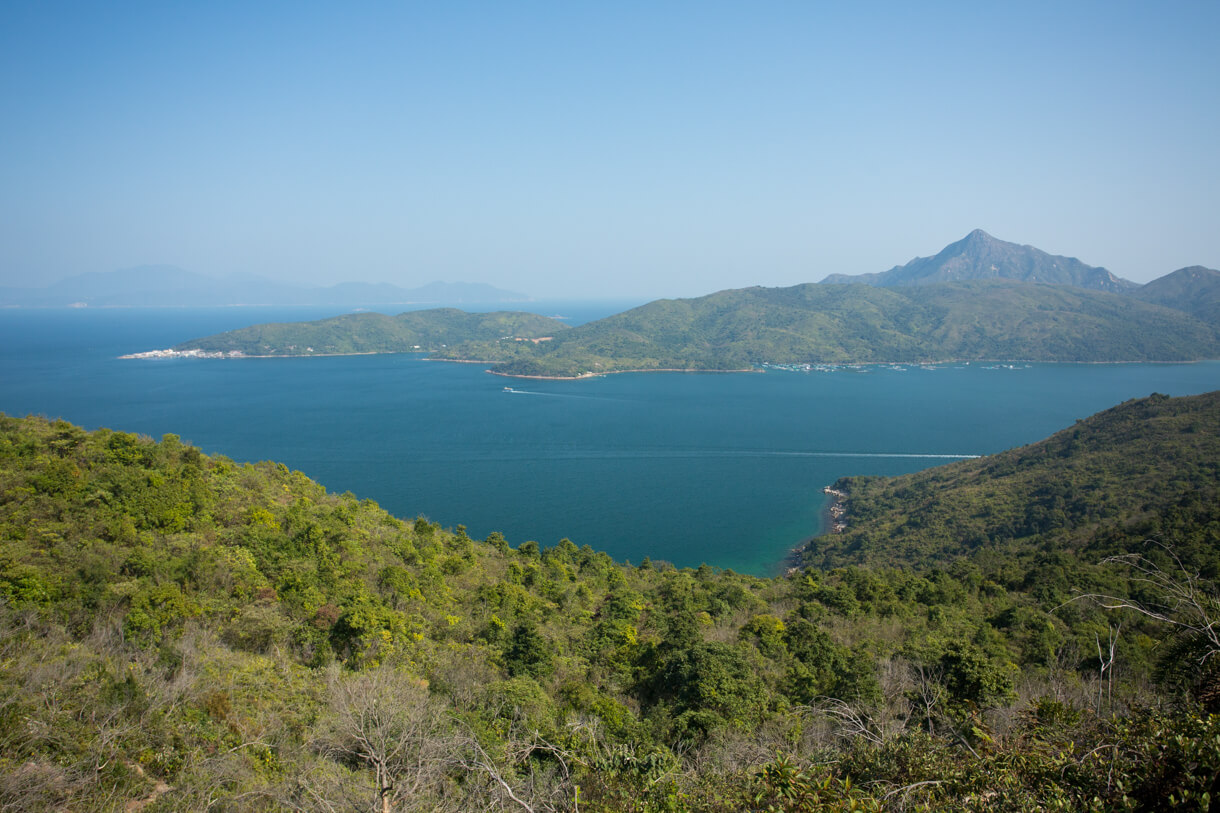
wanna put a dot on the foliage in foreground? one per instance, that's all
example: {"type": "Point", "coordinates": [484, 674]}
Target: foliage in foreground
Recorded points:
{"type": "Point", "coordinates": [181, 632]}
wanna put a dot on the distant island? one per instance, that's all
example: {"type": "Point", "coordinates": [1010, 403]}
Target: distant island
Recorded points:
{"type": "Point", "coordinates": [998, 308]}
{"type": "Point", "coordinates": [838, 324]}
{"type": "Point", "coordinates": [426, 331]}
{"type": "Point", "coordinates": [167, 286]}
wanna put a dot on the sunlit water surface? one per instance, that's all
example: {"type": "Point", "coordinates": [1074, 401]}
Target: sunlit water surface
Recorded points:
{"type": "Point", "coordinates": [719, 468]}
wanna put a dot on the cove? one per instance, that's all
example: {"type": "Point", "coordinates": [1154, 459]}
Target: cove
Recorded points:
{"type": "Point", "coordinates": [725, 469]}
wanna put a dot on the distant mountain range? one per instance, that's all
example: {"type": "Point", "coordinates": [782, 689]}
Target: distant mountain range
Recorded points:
{"type": "Point", "coordinates": [996, 320]}
{"type": "Point", "coordinates": [978, 299]}
{"type": "Point", "coordinates": [169, 286]}
{"type": "Point", "coordinates": [978, 255]}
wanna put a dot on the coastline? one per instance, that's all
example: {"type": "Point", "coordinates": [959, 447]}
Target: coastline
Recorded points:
{"type": "Point", "coordinates": [762, 369]}
{"type": "Point", "coordinates": [833, 522]}
{"type": "Point", "coordinates": [238, 354]}
{"type": "Point", "coordinates": [599, 375]}
{"type": "Point", "coordinates": [834, 515]}
{"type": "Point", "coordinates": [533, 377]}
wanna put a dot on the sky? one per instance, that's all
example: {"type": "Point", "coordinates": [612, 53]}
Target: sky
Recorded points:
{"type": "Point", "coordinates": [582, 150]}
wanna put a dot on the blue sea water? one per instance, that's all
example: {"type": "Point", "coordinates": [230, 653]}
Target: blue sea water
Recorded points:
{"type": "Point", "coordinates": [719, 468]}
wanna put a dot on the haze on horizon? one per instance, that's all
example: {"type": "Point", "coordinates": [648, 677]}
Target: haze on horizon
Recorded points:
{"type": "Point", "coordinates": [581, 150]}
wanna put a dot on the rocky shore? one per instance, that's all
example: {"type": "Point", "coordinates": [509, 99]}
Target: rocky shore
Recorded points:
{"type": "Point", "coordinates": [834, 521]}
{"type": "Point", "coordinates": [836, 513]}
{"type": "Point", "coordinates": [186, 354]}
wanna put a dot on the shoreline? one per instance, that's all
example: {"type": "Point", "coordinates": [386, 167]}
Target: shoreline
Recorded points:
{"type": "Point", "coordinates": [532, 377]}
{"type": "Point", "coordinates": [833, 523]}
{"type": "Point", "coordinates": [834, 515]}
{"type": "Point", "coordinates": [237, 354]}
{"type": "Point", "coordinates": [597, 375]}
{"type": "Point", "coordinates": [170, 353]}
{"type": "Point", "coordinates": [762, 369]}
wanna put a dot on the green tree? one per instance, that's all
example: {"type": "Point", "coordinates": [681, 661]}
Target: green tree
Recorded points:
{"type": "Point", "coordinates": [527, 652]}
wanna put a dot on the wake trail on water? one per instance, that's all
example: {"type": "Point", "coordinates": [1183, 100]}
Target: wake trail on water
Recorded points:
{"type": "Point", "coordinates": [776, 453]}
{"type": "Point", "coordinates": [675, 454]}
{"type": "Point", "coordinates": [563, 395]}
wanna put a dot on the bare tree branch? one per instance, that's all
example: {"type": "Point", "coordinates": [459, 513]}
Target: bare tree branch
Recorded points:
{"type": "Point", "coordinates": [1184, 600]}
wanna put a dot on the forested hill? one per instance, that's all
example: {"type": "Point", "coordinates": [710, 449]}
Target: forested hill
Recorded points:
{"type": "Point", "coordinates": [1194, 290]}
{"type": "Point", "coordinates": [1147, 469]}
{"type": "Point", "coordinates": [819, 323]}
{"type": "Point", "coordinates": [978, 299]}
{"type": "Point", "coordinates": [423, 330]}
{"type": "Point", "coordinates": [182, 632]}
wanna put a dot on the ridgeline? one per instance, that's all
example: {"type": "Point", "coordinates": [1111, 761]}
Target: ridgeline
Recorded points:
{"type": "Point", "coordinates": [979, 299]}
{"type": "Point", "coordinates": [853, 324]}
{"type": "Point", "coordinates": [978, 255]}
{"type": "Point", "coordinates": [1146, 469]}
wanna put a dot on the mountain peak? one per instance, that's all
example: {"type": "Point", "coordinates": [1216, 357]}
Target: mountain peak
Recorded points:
{"type": "Point", "coordinates": [975, 242]}
{"type": "Point", "coordinates": [978, 255]}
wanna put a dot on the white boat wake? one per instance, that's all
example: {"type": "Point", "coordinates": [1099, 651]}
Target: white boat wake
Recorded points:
{"type": "Point", "coordinates": [678, 454]}
{"type": "Point", "coordinates": [512, 391]}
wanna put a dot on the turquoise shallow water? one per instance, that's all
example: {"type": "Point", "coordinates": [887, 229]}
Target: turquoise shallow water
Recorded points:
{"type": "Point", "coordinates": [722, 468]}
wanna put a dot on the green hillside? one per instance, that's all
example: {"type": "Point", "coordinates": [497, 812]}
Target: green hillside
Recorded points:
{"type": "Point", "coordinates": [743, 329]}
{"type": "Point", "coordinates": [1194, 290]}
{"type": "Point", "coordinates": [377, 333]}
{"type": "Point", "coordinates": [1147, 469]}
{"type": "Point", "coordinates": [819, 323]}
{"type": "Point", "coordinates": [182, 632]}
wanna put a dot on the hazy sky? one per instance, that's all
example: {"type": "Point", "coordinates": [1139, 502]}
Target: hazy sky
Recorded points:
{"type": "Point", "coordinates": [602, 149]}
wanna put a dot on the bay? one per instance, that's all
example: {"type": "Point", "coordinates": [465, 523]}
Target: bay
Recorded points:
{"type": "Point", "coordinates": [690, 468]}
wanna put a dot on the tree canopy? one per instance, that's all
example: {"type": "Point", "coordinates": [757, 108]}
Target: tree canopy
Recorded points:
{"type": "Point", "coordinates": [179, 632]}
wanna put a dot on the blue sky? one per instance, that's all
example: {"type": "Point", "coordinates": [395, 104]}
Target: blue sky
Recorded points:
{"type": "Point", "coordinates": [574, 149]}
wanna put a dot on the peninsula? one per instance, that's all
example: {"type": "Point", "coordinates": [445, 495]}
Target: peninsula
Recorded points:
{"type": "Point", "coordinates": [979, 299]}
{"type": "Point", "coordinates": [422, 331]}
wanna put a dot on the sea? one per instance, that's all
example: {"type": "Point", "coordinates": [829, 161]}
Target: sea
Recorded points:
{"type": "Point", "coordinates": [725, 469]}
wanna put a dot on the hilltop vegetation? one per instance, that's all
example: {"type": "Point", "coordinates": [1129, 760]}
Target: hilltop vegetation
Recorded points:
{"type": "Point", "coordinates": [978, 299]}
{"type": "Point", "coordinates": [417, 331]}
{"type": "Point", "coordinates": [742, 329]}
{"type": "Point", "coordinates": [183, 632]}
{"type": "Point", "coordinates": [819, 323]}
{"type": "Point", "coordinates": [1194, 290]}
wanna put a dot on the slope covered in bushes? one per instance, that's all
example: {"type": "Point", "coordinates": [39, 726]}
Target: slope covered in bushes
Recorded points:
{"type": "Point", "coordinates": [184, 632]}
